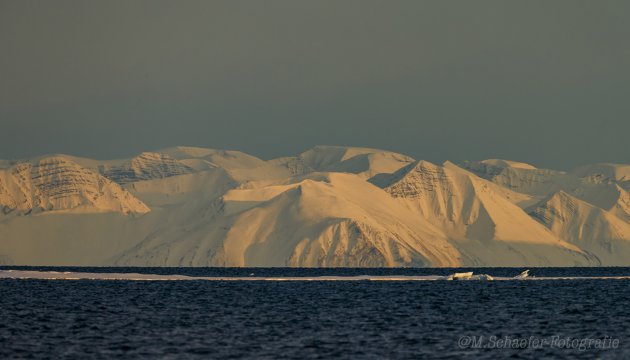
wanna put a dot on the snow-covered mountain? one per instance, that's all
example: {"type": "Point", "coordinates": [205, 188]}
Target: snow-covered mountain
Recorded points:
{"type": "Point", "coordinates": [328, 206]}
{"type": "Point", "coordinates": [591, 228]}
{"type": "Point", "coordinates": [616, 172]}
{"type": "Point", "coordinates": [364, 162]}
{"type": "Point", "coordinates": [320, 219]}
{"type": "Point", "coordinates": [481, 217]}
{"type": "Point", "coordinates": [56, 183]}
{"type": "Point", "coordinates": [603, 185]}
{"type": "Point", "coordinates": [519, 177]}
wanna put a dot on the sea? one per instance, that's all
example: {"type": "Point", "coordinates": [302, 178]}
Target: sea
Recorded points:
{"type": "Point", "coordinates": [127, 319]}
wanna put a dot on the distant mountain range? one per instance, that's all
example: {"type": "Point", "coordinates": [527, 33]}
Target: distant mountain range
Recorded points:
{"type": "Point", "coordinates": [328, 206]}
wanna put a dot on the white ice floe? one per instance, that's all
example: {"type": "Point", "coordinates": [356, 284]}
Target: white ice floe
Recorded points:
{"type": "Point", "coordinates": [468, 276]}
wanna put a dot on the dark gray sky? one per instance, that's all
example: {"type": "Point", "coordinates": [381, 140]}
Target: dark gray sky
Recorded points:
{"type": "Point", "coordinates": [546, 82]}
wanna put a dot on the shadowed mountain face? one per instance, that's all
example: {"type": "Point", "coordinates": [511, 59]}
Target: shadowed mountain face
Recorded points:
{"type": "Point", "coordinates": [328, 206]}
{"type": "Point", "coordinates": [145, 166]}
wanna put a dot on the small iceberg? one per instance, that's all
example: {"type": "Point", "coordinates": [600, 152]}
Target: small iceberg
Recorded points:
{"type": "Point", "coordinates": [462, 276]}
{"type": "Point", "coordinates": [523, 275]}
{"type": "Point", "coordinates": [484, 277]}
{"type": "Point", "coordinates": [468, 276]}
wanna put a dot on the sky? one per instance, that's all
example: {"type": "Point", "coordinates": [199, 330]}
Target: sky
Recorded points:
{"type": "Point", "coordinates": [544, 82]}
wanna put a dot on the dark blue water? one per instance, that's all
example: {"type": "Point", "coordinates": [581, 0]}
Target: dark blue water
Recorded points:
{"type": "Point", "coordinates": [296, 320]}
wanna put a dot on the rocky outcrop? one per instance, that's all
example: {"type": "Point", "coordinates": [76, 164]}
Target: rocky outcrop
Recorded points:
{"type": "Point", "coordinates": [146, 166]}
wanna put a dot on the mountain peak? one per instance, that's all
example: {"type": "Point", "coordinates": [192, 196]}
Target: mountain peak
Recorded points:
{"type": "Point", "coordinates": [187, 151]}
{"type": "Point", "coordinates": [507, 164]}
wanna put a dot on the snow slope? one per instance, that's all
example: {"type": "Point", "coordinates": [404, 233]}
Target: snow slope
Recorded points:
{"type": "Point", "coordinates": [591, 228]}
{"type": "Point", "coordinates": [323, 219]}
{"type": "Point", "coordinates": [238, 165]}
{"type": "Point", "coordinates": [522, 178]}
{"type": "Point", "coordinates": [364, 162]}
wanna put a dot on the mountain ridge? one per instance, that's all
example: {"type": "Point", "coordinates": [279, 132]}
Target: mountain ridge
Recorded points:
{"type": "Point", "coordinates": [327, 206]}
